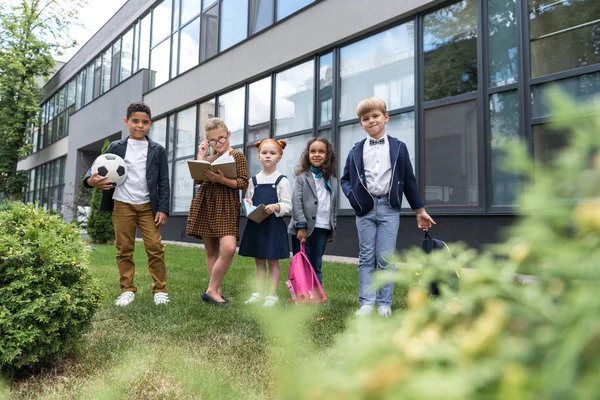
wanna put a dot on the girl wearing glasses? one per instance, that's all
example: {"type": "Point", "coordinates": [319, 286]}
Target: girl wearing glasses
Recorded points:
{"type": "Point", "coordinates": [215, 209]}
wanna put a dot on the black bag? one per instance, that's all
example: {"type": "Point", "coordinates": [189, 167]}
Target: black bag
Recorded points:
{"type": "Point", "coordinates": [430, 244]}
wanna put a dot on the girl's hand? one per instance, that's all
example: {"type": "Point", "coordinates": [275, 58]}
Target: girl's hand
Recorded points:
{"type": "Point", "coordinates": [331, 239]}
{"type": "Point", "coordinates": [216, 177]}
{"type": "Point", "coordinates": [272, 208]}
{"type": "Point", "coordinates": [202, 149]}
{"type": "Point", "coordinates": [301, 235]}
{"type": "Point", "coordinates": [249, 201]}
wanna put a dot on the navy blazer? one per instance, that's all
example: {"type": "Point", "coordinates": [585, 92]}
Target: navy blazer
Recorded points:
{"type": "Point", "coordinates": [403, 179]}
{"type": "Point", "coordinates": [157, 176]}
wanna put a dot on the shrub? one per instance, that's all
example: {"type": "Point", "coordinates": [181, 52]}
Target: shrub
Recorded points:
{"type": "Point", "coordinates": [47, 295]}
{"type": "Point", "coordinates": [495, 338]}
{"type": "Point", "coordinates": [99, 224]}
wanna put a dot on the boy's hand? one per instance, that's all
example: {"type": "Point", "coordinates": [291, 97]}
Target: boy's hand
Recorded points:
{"type": "Point", "coordinates": [301, 235]}
{"type": "Point", "coordinates": [160, 219]}
{"type": "Point", "coordinates": [424, 221]}
{"type": "Point", "coordinates": [100, 182]}
{"type": "Point", "coordinates": [272, 208]}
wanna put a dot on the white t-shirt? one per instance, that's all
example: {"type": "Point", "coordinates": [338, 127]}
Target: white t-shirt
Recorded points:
{"type": "Point", "coordinates": [324, 206]}
{"type": "Point", "coordinates": [378, 167]}
{"type": "Point", "coordinates": [283, 191]}
{"type": "Point", "coordinates": [135, 188]}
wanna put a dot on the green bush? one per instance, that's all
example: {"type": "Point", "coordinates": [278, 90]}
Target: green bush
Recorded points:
{"type": "Point", "coordinates": [495, 338]}
{"type": "Point", "coordinates": [47, 295]}
{"type": "Point", "coordinates": [99, 224]}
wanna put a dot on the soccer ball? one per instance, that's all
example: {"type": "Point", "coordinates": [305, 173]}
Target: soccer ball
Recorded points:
{"type": "Point", "coordinates": [112, 166]}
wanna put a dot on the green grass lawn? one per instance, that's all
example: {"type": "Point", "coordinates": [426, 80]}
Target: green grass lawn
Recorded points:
{"type": "Point", "coordinates": [188, 349]}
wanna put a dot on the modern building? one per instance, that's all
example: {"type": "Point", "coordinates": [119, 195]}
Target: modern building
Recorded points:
{"type": "Point", "coordinates": [459, 77]}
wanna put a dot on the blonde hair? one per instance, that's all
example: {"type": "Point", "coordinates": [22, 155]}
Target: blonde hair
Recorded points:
{"type": "Point", "coordinates": [214, 123]}
{"type": "Point", "coordinates": [280, 144]}
{"type": "Point", "coordinates": [370, 104]}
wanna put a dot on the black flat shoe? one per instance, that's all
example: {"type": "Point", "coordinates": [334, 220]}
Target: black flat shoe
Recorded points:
{"type": "Point", "coordinates": [208, 299]}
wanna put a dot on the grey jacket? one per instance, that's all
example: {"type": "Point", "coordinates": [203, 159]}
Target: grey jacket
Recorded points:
{"type": "Point", "coordinates": [305, 202]}
{"type": "Point", "coordinates": [157, 176]}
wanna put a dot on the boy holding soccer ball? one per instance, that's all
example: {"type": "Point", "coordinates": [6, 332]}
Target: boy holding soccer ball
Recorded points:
{"type": "Point", "coordinates": [141, 201]}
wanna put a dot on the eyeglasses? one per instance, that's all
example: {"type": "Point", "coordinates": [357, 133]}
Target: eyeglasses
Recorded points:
{"type": "Point", "coordinates": [219, 140]}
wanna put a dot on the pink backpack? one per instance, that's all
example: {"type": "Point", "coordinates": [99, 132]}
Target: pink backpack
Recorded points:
{"type": "Point", "coordinates": [302, 280]}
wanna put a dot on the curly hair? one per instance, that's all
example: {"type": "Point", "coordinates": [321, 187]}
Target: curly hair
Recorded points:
{"type": "Point", "coordinates": [138, 107]}
{"type": "Point", "coordinates": [329, 167]}
{"type": "Point", "coordinates": [280, 144]}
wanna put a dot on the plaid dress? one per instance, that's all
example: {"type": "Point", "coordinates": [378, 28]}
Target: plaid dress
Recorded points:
{"type": "Point", "coordinates": [215, 209]}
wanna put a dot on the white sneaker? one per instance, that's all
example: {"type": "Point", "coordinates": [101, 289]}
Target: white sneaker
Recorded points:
{"type": "Point", "coordinates": [161, 298]}
{"type": "Point", "coordinates": [365, 309]}
{"type": "Point", "coordinates": [125, 299]}
{"type": "Point", "coordinates": [384, 311]}
{"type": "Point", "coordinates": [270, 301]}
{"type": "Point", "coordinates": [255, 298]}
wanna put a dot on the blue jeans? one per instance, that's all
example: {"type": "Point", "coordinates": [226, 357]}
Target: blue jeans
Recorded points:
{"type": "Point", "coordinates": [377, 233]}
{"type": "Point", "coordinates": [315, 248]}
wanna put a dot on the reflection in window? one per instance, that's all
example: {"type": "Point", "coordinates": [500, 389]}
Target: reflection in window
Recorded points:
{"type": "Point", "coordinates": [294, 92]}
{"type": "Point", "coordinates": [158, 131]}
{"type": "Point", "coordinates": [207, 110]}
{"type": "Point", "coordinates": [547, 143]}
{"type": "Point", "coordinates": [183, 187]}
{"type": "Point", "coordinates": [190, 46]}
{"type": "Point", "coordinates": [381, 65]}
{"type": "Point", "coordinates": [400, 126]}
{"type": "Point", "coordinates": [161, 22]}
{"type": "Point", "coordinates": [450, 51]}
{"type": "Point", "coordinates": [145, 42]}
{"type": "Point", "coordinates": [97, 77]}
{"type": "Point", "coordinates": [502, 31]}
{"type": "Point", "coordinates": [231, 110]}
{"type": "Point", "coordinates": [209, 28]}
{"type": "Point", "coordinates": [451, 156]}
{"type": "Point", "coordinates": [234, 22]}
{"type": "Point", "coordinates": [174, 54]}
{"type": "Point", "coordinates": [189, 9]}
{"type": "Point", "coordinates": [79, 94]}
{"type": "Point", "coordinates": [582, 89]}
{"type": "Point", "coordinates": [504, 126]}
{"type": "Point", "coordinates": [186, 133]}
{"type": "Point", "coordinates": [564, 35]}
{"type": "Point", "coordinates": [259, 110]}
{"type": "Point", "coordinates": [325, 89]}
{"type": "Point", "coordinates": [291, 156]}
{"type": "Point", "coordinates": [208, 4]}
{"type": "Point", "coordinates": [261, 15]}
{"type": "Point", "coordinates": [116, 59]}
{"type": "Point", "coordinates": [159, 63]}
{"type": "Point", "coordinates": [106, 70]}
{"type": "Point", "coordinates": [287, 7]}
{"type": "Point", "coordinates": [126, 55]}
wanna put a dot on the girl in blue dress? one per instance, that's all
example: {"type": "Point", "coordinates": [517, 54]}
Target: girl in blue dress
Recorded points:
{"type": "Point", "coordinates": [267, 241]}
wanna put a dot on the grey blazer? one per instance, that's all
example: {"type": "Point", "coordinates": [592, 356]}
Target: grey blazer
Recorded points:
{"type": "Point", "coordinates": [305, 201]}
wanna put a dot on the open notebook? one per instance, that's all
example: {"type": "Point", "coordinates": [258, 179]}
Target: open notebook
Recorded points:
{"type": "Point", "coordinates": [225, 163]}
{"type": "Point", "coordinates": [255, 213]}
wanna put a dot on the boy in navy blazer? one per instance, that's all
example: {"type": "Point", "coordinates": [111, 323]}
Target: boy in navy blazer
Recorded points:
{"type": "Point", "coordinates": [377, 172]}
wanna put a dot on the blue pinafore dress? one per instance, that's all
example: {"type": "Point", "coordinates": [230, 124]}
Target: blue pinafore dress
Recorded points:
{"type": "Point", "coordinates": [269, 239]}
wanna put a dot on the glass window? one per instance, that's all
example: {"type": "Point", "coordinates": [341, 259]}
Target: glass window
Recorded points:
{"type": "Point", "coordinates": [116, 59]}
{"type": "Point", "coordinates": [136, 48]}
{"type": "Point", "coordinates": [581, 88]}
{"type": "Point", "coordinates": [504, 125]}
{"type": "Point", "coordinates": [170, 138]}
{"type": "Point", "coordinates": [126, 55]}
{"type": "Point", "coordinates": [564, 35]}
{"type": "Point", "coordinates": [71, 93]}
{"type": "Point", "coordinates": [381, 65]}
{"type": "Point", "coordinates": [158, 131]}
{"type": "Point", "coordinates": [189, 9]}
{"type": "Point", "coordinates": [174, 54]}
{"type": "Point", "coordinates": [175, 15]}
{"type": "Point", "coordinates": [502, 43]}
{"type": "Point", "coordinates": [97, 77]}
{"type": "Point", "coordinates": [208, 4]}
{"type": "Point", "coordinates": [234, 22]}
{"type": "Point", "coordinates": [61, 99]}
{"type": "Point", "coordinates": [399, 126]}
{"type": "Point", "coordinates": [207, 110]}
{"type": "Point", "coordinates": [79, 93]}
{"type": "Point", "coordinates": [451, 155]}
{"type": "Point", "coordinates": [450, 51]}
{"type": "Point", "coordinates": [183, 187]}
{"type": "Point", "coordinates": [210, 32]}
{"type": "Point", "coordinates": [144, 42]}
{"type": "Point", "coordinates": [291, 156]}
{"type": "Point", "coordinates": [161, 22]}
{"type": "Point", "coordinates": [61, 126]}
{"type": "Point", "coordinates": [287, 7]}
{"type": "Point", "coordinates": [159, 64]}
{"type": "Point", "coordinates": [186, 133]}
{"type": "Point", "coordinates": [231, 110]}
{"type": "Point", "coordinates": [325, 89]}
{"type": "Point", "coordinates": [259, 110]}
{"type": "Point", "coordinates": [548, 142]}
{"type": "Point", "coordinates": [294, 93]}
{"type": "Point", "coordinates": [106, 69]}
{"type": "Point", "coordinates": [189, 50]}
{"type": "Point", "coordinates": [261, 15]}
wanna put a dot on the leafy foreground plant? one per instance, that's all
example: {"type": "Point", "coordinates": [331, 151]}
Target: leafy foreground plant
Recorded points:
{"type": "Point", "coordinates": [47, 295]}
{"type": "Point", "coordinates": [495, 338]}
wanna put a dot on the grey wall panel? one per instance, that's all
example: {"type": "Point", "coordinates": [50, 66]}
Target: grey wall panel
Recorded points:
{"type": "Point", "coordinates": [327, 23]}
{"type": "Point", "coordinates": [54, 151]}
{"type": "Point", "coordinates": [117, 25]}
{"type": "Point", "coordinates": [101, 119]}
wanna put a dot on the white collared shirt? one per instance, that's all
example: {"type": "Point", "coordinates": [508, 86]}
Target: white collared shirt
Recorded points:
{"type": "Point", "coordinates": [324, 205]}
{"type": "Point", "coordinates": [378, 167]}
{"type": "Point", "coordinates": [284, 195]}
{"type": "Point", "coordinates": [135, 188]}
